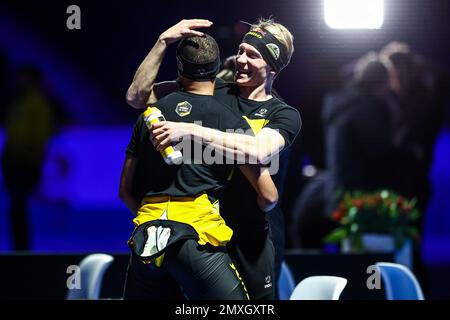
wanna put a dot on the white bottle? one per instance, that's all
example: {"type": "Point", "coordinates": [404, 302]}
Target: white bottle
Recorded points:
{"type": "Point", "coordinates": [171, 156]}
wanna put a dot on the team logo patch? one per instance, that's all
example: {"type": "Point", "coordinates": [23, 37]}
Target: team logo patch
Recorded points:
{"type": "Point", "coordinates": [274, 50]}
{"type": "Point", "coordinates": [183, 109]}
{"type": "Point", "coordinates": [261, 113]}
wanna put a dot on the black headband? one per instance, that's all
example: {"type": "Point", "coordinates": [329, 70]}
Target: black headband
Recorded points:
{"type": "Point", "coordinates": [271, 49]}
{"type": "Point", "coordinates": [195, 71]}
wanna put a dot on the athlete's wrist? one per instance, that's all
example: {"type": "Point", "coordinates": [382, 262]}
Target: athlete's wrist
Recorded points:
{"type": "Point", "coordinates": [162, 41]}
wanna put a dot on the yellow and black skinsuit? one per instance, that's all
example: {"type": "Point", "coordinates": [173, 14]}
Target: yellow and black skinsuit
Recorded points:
{"type": "Point", "coordinates": [258, 238]}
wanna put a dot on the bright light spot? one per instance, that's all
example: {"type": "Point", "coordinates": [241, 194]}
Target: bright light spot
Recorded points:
{"type": "Point", "coordinates": [309, 171]}
{"type": "Point", "coordinates": [354, 14]}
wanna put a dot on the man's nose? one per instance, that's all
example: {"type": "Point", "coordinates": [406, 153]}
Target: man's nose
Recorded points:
{"type": "Point", "coordinates": [241, 59]}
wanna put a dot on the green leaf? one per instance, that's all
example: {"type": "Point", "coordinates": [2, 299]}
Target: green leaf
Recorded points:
{"type": "Point", "coordinates": [336, 236]}
{"type": "Point", "coordinates": [352, 213]}
{"type": "Point", "coordinates": [413, 232]}
{"type": "Point", "coordinates": [414, 215]}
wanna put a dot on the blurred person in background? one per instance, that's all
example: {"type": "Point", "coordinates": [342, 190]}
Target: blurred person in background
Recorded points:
{"type": "Point", "coordinates": [228, 69]}
{"type": "Point", "coordinates": [5, 86]}
{"type": "Point", "coordinates": [417, 105]}
{"type": "Point", "coordinates": [360, 150]}
{"type": "Point", "coordinates": [30, 121]}
{"type": "Point", "coordinates": [417, 101]}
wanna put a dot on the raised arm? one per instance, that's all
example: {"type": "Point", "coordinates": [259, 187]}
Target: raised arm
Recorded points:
{"type": "Point", "coordinates": [262, 182]}
{"type": "Point", "coordinates": [126, 185]}
{"type": "Point", "coordinates": [143, 89]}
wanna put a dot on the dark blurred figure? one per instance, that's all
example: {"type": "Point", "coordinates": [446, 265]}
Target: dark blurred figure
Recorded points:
{"type": "Point", "coordinates": [228, 69]}
{"type": "Point", "coordinates": [418, 99]}
{"type": "Point", "coordinates": [5, 85]}
{"type": "Point", "coordinates": [418, 107]}
{"type": "Point", "coordinates": [360, 149]}
{"type": "Point", "coordinates": [30, 121]}
{"type": "Point", "coordinates": [309, 222]}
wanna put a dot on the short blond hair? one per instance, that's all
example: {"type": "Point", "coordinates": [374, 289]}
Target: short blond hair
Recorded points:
{"type": "Point", "coordinates": [279, 31]}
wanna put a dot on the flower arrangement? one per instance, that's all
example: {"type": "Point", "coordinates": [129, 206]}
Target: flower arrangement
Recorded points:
{"type": "Point", "coordinates": [382, 212]}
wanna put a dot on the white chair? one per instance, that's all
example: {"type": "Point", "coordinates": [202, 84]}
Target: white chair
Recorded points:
{"type": "Point", "coordinates": [286, 282]}
{"type": "Point", "coordinates": [319, 288]}
{"type": "Point", "coordinates": [92, 270]}
{"type": "Point", "coordinates": [399, 282]}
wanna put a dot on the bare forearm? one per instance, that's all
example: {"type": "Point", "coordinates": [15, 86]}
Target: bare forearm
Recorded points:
{"type": "Point", "coordinates": [248, 149]}
{"type": "Point", "coordinates": [141, 89]}
{"type": "Point", "coordinates": [131, 203]}
{"type": "Point", "coordinates": [126, 184]}
{"type": "Point", "coordinates": [251, 149]}
{"type": "Point", "coordinates": [261, 181]}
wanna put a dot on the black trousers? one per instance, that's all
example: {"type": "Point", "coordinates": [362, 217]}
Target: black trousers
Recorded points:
{"type": "Point", "coordinates": [188, 271]}
{"type": "Point", "coordinates": [277, 235]}
{"type": "Point", "coordinates": [21, 173]}
{"type": "Point", "coordinates": [255, 259]}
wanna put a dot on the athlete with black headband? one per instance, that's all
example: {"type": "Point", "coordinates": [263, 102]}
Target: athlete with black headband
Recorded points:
{"type": "Point", "coordinates": [263, 53]}
{"type": "Point", "coordinates": [180, 237]}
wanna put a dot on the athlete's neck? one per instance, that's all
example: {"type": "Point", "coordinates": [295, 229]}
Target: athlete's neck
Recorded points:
{"type": "Point", "coordinates": [259, 93]}
{"type": "Point", "coordinates": [203, 88]}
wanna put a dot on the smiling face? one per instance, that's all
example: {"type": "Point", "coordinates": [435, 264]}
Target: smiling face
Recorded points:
{"type": "Point", "coordinates": [251, 69]}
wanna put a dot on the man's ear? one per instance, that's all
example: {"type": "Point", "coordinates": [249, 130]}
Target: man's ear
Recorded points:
{"type": "Point", "coordinates": [272, 73]}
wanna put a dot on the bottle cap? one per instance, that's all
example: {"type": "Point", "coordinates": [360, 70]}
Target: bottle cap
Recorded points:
{"type": "Point", "coordinates": [150, 110]}
{"type": "Point", "coordinates": [147, 112]}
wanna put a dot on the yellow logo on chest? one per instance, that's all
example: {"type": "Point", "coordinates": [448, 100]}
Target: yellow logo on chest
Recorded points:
{"type": "Point", "coordinates": [256, 124]}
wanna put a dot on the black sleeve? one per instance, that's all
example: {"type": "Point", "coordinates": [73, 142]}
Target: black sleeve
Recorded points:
{"type": "Point", "coordinates": [287, 122]}
{"type": "Point", "coordinates": [133, 145]}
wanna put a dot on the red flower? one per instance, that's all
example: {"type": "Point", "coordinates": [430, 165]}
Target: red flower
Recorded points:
{"type": "Point", "coordinates": [372, 201]}
{"type": "Point", "coordinates": [337, 215]}
{"type": "Point", "coordinates": [366, 210]}
{"type": "Point", "coordinates": [407, 209]}
{"type": "Point", "coordinates": [358, 203]}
